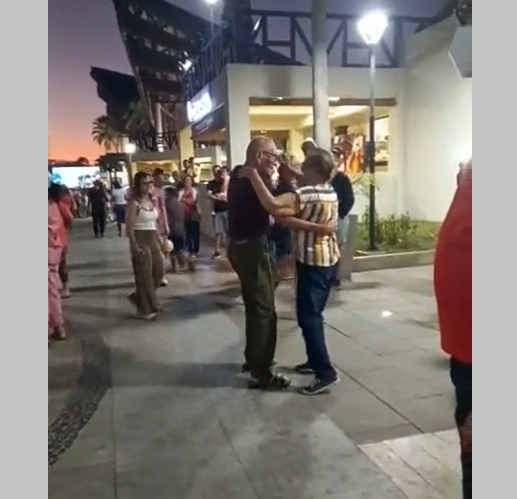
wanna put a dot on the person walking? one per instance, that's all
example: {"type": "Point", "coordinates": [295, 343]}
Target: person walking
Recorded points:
{"type": "Point", "coordinates": [315, 208]}
{"type": "Point", "coordinates": [97, 199]}
{"type": "Point", "coordinates": [146, 254]}
{"type": "Point", "coordinates": [56, 323]}
{"type": "Point", "coordinates": [119, 197]}
{"type": "Point", "coordinates": [453, 290]}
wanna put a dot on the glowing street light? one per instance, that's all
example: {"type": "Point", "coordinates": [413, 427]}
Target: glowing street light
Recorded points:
{"type": "Point", "coordinates": [372, 27]}
{"type": "Point", "coordinates": [212, 4]}
{"type": "Point", "coordinates": [130, 148]}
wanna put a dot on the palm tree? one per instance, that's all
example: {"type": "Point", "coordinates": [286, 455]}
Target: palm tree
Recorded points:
{"type": "Point", "coordinates": [107, 133]}
{"type": "Point", "coordinates": [136, 120]}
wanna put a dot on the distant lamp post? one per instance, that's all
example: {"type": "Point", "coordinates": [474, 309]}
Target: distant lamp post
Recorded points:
{"type": "Point", "coordinates": [211, 4]}
{"type": "Point", "coordinates": [371, 27]}
{"type": "Point", "coordinates": [130, 149]}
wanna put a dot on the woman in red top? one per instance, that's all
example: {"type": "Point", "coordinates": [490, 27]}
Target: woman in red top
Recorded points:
{"type": "Point", "coordinates": [56, 229]}
{"type": "Point", "coordinates": [189, 198]}
{"type": "Point", "coordinates": [453, 289]}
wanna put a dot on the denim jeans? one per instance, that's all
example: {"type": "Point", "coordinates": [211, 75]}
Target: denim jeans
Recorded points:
{"type": "Point", "coordinates": [312, 292]}
{"type": "Point", "coordinates": [461, 376]}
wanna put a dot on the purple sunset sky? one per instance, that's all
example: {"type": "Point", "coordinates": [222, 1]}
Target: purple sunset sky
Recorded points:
{"type": "Point", "coordinates": [83, 33]}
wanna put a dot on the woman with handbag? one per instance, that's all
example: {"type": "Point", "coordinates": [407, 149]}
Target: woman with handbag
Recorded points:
{"type": "Point", "coordinates": [146, 251]}
{"type": "Point", "coordinates": [190, 201]}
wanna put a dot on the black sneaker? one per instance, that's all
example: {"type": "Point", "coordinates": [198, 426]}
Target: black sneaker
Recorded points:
{"type": "Point", "coordinates": [216, 255]}
{"type": "Point", "coordinates": [319, 386]}
{"type": "Point", "coordinates": [274, 383]}
{"type": "Point", "coordinates": [304, 368]}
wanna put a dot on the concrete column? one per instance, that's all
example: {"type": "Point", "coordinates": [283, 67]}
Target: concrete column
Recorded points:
{"type": "Point", "coordinates": [321, 111]}
{"type": "Point", "coordinates": [238, 131]}
{"type": "Point", "coordinates": [186, 144]}
{"type": "Point", "coordinates": [296, 138]}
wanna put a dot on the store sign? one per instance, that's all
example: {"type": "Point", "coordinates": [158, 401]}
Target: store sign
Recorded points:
{"type": "Point", "coordinates": [199, 107]}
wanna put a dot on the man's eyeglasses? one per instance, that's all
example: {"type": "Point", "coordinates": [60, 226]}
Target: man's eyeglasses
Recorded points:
{"type": "Point", "coordinates": [271, 155]}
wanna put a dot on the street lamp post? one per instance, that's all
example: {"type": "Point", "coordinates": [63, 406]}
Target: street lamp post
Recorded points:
{"type": "Point", "coordinates": [211, 4]}
{"type": "Point", "coordinates": [130, 149]}
{"type": "Point", "coordinates": [371, 27]}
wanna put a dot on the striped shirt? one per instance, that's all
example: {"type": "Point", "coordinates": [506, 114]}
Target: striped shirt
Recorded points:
{"type": "Point", "coordinates": [318, 204]}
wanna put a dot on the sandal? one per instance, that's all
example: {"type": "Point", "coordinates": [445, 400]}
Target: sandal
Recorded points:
{"type": "Point", "coordinates": [59, 334]}
{"type": "Point", "coordinates": [274, 382]}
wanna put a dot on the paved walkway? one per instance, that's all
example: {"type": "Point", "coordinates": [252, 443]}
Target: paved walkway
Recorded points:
{"type": "Point", "coordinates": [156, 410]}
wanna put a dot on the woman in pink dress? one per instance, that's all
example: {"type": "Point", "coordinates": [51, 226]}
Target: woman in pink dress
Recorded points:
{"type": "Point", "coordinates": [56, 326]}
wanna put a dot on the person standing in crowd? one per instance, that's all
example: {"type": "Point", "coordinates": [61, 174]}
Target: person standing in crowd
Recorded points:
{"type": "Point", "coordinates": [346, 198]}
{"type": "Point", "coordinates": [249, 257]}
{"type": "Point", "coordinates": [281, 233]}
{"type": "Point", "coordinates": [453, 290]}
{"type": "Point", "coordinates": [210, 187]}
{"type": "Point", "coordinates": [176, 179]}
{"type": "Point", "coordinates": [218, 192]}
{"type": "Point", "coordinates": [308, 145]}
{"type": "Point", "coordinates": [56, 229]}
{"type": "Point", "coordinates": [119, 197]}
{"type": "Point", "coordinates": [316, 256]}
{"type": "Point", "coordinates": [144, 240]}
{"type": "Point", "coordinates": [158, 197]}
{"type": "Point", "coordinates": [188, 196]}
{"type": "Point", "coordinates": [97, 199]}
{"type": "Point", "coordinates": [176, 220]}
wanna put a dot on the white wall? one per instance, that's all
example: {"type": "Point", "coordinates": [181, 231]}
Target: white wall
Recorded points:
{"type": "Point", "coordinates": [438, 129]}
{"type": "Point", "coordinates": [296, 81]}
{"type": "Point", "coordinates": [247, 81]}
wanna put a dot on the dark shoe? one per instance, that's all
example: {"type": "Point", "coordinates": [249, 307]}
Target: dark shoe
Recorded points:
{"type": "Point", "coordinates": [273, 382]}
{"type": "Point", "coordinates": [319, 386]}
{"type": "Point", "coordinates": [304, 368]}
{"type": "Point", "coordinates": [216, 254]}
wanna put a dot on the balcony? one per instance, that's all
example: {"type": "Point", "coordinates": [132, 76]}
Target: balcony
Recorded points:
{"type": "Point", "coordinates": [157, 142]}
{"type": "Point", "coordinates": [345, 48]}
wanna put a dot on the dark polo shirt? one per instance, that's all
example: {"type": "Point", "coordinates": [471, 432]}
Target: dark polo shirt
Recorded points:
{"type": "Point", "coordinates": [246, 216]}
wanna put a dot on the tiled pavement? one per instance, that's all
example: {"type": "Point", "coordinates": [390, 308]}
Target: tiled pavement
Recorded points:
{"type": "Point", "coordinates": [175, 422]}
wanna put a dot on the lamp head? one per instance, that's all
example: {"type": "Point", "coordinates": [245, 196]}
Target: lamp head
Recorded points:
{"type": "Point", "coordinates": [372, 26]}
{"type": "Point", "coordinates": [130, 148]}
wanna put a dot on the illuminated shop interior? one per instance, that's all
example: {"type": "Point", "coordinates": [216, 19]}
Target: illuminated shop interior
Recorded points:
{"type": "Point", "coordinates": [289, 122]}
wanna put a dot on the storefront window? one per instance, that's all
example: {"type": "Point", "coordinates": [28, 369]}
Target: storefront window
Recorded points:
{"type": "Point", "coordinates": [352, 140]}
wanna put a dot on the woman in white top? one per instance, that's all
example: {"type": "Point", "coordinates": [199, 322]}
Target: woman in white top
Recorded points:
{"type": "Point", "coordinates": [146, 256]}
{"type": "Point", "coordinates": [118, 202]}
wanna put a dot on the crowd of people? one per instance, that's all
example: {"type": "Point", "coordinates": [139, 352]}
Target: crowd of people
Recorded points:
{"type": "Point", "coordinates": [263, 211]}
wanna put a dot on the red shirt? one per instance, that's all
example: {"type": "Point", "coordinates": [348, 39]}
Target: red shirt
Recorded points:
{"type": "Point", "coordinates": [453, 273]}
